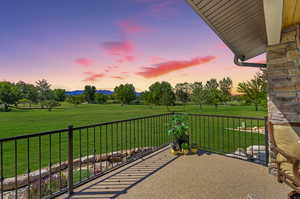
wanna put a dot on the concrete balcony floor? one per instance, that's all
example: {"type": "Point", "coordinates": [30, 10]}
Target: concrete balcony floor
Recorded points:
{"type": "Point", "coordinates": [164, 176]}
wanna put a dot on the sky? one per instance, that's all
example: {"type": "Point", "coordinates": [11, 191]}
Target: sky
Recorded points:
{"type": "Point", "coordinates": [72, 43]}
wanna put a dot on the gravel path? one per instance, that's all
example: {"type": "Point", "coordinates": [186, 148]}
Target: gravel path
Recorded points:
{"type": "Point", "coordinates": [204, 176]}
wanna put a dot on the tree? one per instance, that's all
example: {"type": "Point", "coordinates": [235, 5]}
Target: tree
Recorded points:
{"type": "Point", "coordinates": [162, 94]}
{"type": "Point", "coordinates": [155, 93]}
{"type": "Point", "coordinates": [9, 94]}
{"type": "Point", "coordinates": [225, 86]}
{"type": "Point", "coordinates": [100, 98]}
{"type": "Point", "coordinates": [255, 90]}
{"type": "Point", "coordinates": [213, 94]}
{"type": "Point", "coordinates": [237, 99]}
{"type": "Point", "coordinates": [146, 97]}
{"type": "Point", "coordinates": [198, 93]}
{"type": "Point", "coordinates": [59, 94]}
{"type": "Point", "coordinates": [125, 93]}
{"type": "Point", "coordinates": [50, 104]}
{"type": "Point", "coordinates": [168, 97]}
{"type": "Point", "coordinates": [182, 92]}
{"type": "Point", "coordinates": [24, 101]}
{"type": "Point", "coordinates": [28, 92]}
{"type": "Point", "coordinates": [262, 75]}
{"type": "Point", "coordinates": [75, 99]}
{"type": "Point", "coordinates": [44, 91]}
{"type": "Point", "coordinates": [89, 93]}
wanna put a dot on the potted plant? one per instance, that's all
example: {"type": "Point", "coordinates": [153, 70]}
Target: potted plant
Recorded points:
{"type": "Point", "coordinates": [174, 149]}
{"type": "Point", "coordinates": [185, 148]}
{"type": "Point", "coordinates": [178, 130]}
{"type": "Point", "coordinates": [194, 148]}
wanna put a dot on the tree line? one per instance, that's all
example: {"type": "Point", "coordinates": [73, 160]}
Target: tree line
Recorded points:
{"type": "Point", "coordinates": [13, 94]}
{"type": "Point", "coordinates": [211, 92]}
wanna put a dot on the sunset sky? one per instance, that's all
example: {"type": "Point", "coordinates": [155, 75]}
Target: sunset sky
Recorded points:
{"type": "Point", "coordinates": [72, 43]}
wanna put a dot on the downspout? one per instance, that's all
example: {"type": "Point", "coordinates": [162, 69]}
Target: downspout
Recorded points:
{"type": "Point", "coordinates": [247, 64]}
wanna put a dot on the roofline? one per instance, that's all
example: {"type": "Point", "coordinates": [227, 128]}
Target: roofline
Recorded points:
{"type": "Point", "coordinates": [211, 26]}
{"type": "Point", "coordinates": [236, 53]}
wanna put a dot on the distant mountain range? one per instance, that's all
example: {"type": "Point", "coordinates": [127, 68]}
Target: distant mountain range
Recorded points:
{"type": "Point", "coordinates": [79, 92]}
{"type": "Point", "coordinates": [105, 92]}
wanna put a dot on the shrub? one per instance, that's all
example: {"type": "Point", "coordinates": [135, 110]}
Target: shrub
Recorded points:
{"type": "Point", "coordinates": [75, 99]}
{"type": "Point", "coordinates": [50, 104]}
{"type": "Point", "coordinates": [100, 98]}
{"type": "Point", "coordinates": [57, 182]}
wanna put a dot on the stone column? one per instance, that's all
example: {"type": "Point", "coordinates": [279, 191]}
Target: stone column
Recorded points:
{"type": "Point", "coordinates": [283, 62]}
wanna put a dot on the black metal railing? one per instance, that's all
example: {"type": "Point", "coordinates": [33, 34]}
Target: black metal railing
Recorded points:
{"type": "Point", "coordinates": [44, 165]}
{"type": "Point", "coordinates": [47, 164]}
{"type": "Point", "coordinates": [234, 136]}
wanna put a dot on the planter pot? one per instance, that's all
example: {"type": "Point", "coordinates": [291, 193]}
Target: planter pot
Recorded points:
{"type": "Point", "coordinates": [185, 151]}
{"type": "Point", "coordinates": [180, 141]}
{"type": "Point", "coordinates": [194, 150]}
{"type": "Point", "coordinates": [174, 152]}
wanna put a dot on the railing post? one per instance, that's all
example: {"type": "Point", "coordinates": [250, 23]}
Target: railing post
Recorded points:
{"type": "Point", "coordinates": [267, 140]}
{"type": "Point", "coordinates": [70, 159]}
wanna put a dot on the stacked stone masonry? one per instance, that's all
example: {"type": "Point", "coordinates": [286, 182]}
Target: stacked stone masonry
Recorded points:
{"type": "Point", "coordinates": [284, 78]}
{"type": "Point", "coordinates": [283, 62]}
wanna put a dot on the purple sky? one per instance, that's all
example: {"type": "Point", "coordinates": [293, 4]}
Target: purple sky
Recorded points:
{"type": "Point", "coordinates": [72, 43]}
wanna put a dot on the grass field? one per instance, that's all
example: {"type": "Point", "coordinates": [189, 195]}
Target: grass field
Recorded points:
{"type": "Point", "coordinates": [139, 133]}
{"type": "Point", "coordinates": [20, 122]}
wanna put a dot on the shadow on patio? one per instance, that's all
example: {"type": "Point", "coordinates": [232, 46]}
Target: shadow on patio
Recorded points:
{"type": "Point", "coordinates": [162, 175]}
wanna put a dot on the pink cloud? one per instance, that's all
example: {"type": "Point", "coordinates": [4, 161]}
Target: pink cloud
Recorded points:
{"type": "Point", "coordinates": [92, 77]}
{"type": "Point", "coordinates": [110, 68]}
{"type": "Point", "coordinates": [117, 77]}
{"type": "Point", "coordinates": [156, 59]}
{"type": "Point", "coordinates": [170, 66]}
{"type": "Point", "coordinates": [85, 62]}
{"type": "Point", "coordinates": [129, 27]}
{"type": "Point", "coordinates": [127, 59]}
{"type": "Point", "coordinates": [124, 50]}
{"type": "Point", "coordinates": [118, 48]}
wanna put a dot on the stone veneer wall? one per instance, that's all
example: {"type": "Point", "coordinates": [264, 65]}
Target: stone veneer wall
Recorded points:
{"type": "Point", "coordinates": [283, 62]}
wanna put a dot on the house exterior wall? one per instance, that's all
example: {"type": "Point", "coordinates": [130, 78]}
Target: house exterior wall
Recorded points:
{"type": "Point", "coordinates": [283, 63]}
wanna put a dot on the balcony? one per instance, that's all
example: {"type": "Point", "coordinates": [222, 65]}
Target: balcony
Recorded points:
{"type": "Point", "coordinates": [205, 175]}
{"type": "Point", "coordinates": [131, 159]}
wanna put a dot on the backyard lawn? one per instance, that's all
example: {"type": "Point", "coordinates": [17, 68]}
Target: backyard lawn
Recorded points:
{"type": "Point", "coordinates": [20, 122]}
{"type": "Point", "coordinates": [207, 132]}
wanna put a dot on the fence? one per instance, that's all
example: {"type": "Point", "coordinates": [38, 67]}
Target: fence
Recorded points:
{"type": "Point", "coordinates": [47, 164]}
{"type": "Point", "coordinates": [235, 136]}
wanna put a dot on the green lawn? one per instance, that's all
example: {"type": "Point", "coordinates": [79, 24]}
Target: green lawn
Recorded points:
{"type": "Point", "coordinates": [208, 133]}
{"type": "Point", "coordinates": [216, 134]}
{"type": "Point", "coordinates": [20, 122]}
